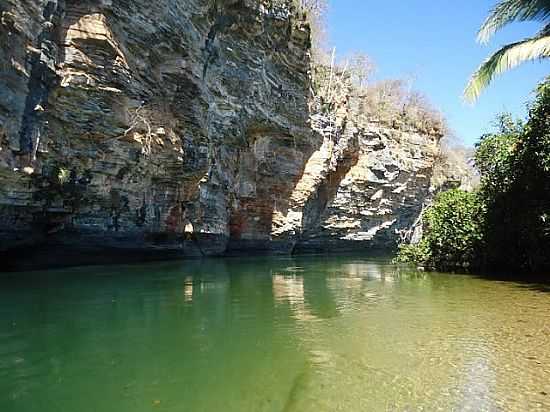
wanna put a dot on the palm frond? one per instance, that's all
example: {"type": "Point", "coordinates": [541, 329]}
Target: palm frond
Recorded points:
{"type": "Point", "coordinates": [507, 58]}
{"type": "Point", "coordinates": [508, 11]}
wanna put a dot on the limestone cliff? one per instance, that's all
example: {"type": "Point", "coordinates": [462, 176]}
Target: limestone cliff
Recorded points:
{"type": "Point", "coordinates": [186, 127]}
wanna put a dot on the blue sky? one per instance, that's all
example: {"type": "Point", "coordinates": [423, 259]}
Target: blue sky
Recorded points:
{"type": "Point", "coordinates": [433, 42]}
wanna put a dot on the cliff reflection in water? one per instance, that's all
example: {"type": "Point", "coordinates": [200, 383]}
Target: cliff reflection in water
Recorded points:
{"type": "Point", "coordinates": [268, 334]}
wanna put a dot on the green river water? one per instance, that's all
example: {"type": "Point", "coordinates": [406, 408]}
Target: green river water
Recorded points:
{"type": "Point", "coordinates": [271, 334]}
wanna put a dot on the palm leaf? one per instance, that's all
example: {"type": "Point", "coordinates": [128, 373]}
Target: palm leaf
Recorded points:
{"type": "Point", "coordinates": [507, 58]}
{"type": "Point", "coordinates": [508, 11]}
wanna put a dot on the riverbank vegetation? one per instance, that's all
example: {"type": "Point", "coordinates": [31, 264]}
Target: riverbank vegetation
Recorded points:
{"type": "Point", "coordinates": [505, 223]}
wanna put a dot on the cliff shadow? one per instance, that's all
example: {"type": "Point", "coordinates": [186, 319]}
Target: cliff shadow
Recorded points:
{"type": "Point", "coordinates": [269, 171]}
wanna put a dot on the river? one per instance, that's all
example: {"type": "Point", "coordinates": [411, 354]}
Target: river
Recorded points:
{"type": "Point", "coordinates": [271, 334]}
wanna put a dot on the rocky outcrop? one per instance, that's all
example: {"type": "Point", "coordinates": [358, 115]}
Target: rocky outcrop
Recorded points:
{"type": "Point", "coordinates": [367, 184]}
{"type": "Point", "coordinates": [184, 127]}
{"type": "Point", "coordinates": [373, 195]}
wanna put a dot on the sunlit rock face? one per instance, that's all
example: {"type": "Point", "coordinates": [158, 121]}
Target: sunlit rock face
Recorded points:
{"type": "Point", "coordinates": [366, 185]}
{"type": "Point", "coordinates": [184, 127]}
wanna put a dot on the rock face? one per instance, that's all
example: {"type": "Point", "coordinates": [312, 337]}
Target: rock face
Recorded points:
{"type": "Point", "coordinates": [183, 127]}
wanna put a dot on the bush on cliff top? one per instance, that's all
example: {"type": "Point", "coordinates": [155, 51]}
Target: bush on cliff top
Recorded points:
{"type": "Point", "coordinates": [388, 102]}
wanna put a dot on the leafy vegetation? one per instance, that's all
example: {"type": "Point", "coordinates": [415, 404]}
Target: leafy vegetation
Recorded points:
{"type": "Point", "coordinates": [452, 232]}
{"type": "Point", "coordinates": [516, 189]}
{"type": "Point", "coordinates": [506, 222]}
{"type": "Point", "coordinates": [511, 55]}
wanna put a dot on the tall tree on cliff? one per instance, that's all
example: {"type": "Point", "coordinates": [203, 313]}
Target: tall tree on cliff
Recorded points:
{"type": "Point", "coordinates": [511, 55]}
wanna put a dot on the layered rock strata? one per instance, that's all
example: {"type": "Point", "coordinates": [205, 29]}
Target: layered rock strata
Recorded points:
{"type": "Point", "coordinates": [184, 128]}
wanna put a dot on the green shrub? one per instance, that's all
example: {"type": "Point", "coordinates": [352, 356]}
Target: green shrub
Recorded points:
{"type": "Point", "coordinates": [494, 156]}
{"type": "Point", "coordinates": [413, 253]}
{"type": "Point", "coordinates": [506, 223]}
{"type": "Point", "coordinates": [452, 232]}
{"type": "Point", "coordinates": [516, 189]}
{"type": "Point", "coordinates": [454, 228]}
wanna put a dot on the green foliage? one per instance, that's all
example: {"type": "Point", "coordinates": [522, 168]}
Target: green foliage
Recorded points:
{"type": "Point", "coordinates": [506, 223]}
{"type": "Point", "coordinates": [453, 232]}
{"type": "Point", "coordinates": [454, 228]}
{"type": "Point", "coordinates": [534, 147]}
{"type": "Point", "coordinates": [518, 198]}
{"type": "Point", "coordinates": [413, 253]}
{"type": "Point", "coordinates": [511, 55]}
{"type": "Point", "coordinates": [494, 155]}
{"type": "Point", "coordinates": [508, 11]}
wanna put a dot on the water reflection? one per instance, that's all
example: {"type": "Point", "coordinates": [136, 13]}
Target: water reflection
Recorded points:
{"type": "Point", "coordinates": [188, 289]}
{"type": "Point", "coordinates": [288, 288]}
{"type": "Point", "coordinates": [303, 334]}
